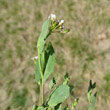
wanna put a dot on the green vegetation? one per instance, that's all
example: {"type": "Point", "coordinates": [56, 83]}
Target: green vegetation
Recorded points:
{"type": "Point", "coordinates": [20, 26]}
{"type": "Point", "coordinates": [44, 67]}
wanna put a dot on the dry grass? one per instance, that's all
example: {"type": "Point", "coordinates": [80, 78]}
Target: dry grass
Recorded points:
{"type": "Point", "coordinates": [84, 52]}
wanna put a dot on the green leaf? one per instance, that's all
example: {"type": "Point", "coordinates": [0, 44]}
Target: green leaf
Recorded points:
{"type": "Point", "coordinates": [42, 55]}
{"type": "Point", "coordinates": [65, 31]}
{"type": "Point", "coordinates": [37, 70]}
{"type": "Point", "coordinates": [66, 79]}
{"type": "Point", "coordinates": [89, 95]}
{"type": "Point", "coordinates": [41, 108]}
{"type": "Point", "coordinates": [92, 104]}
{"type": "Point", "coordinates": [90, 90]}
{"type": "Point", "coordinates": [49, 108]}
{"type": "Point", "coordinates": [91, 86]}
{"type": "Point", "coordinates": [59, 95]}
{"type": "Point", "coordinates": [52, 83]}
{"type": "Point", "coordinates": [50, 62]}
{"type": "Point", "coordinates": [41, 40]}
{"type": "Point", "coordinates": [91, 98]}
{"type": "Point", "coordinates": [34, 107]}
{"type": "Point", "coordinates": [66, 108]}
{"type": "Point", "coordinates": [58, 107]}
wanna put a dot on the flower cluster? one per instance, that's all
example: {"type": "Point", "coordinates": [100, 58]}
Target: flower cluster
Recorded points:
{"type": "Point", "coordinates": [57, 25]}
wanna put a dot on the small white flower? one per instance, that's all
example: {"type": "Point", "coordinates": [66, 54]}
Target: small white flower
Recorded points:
{"type": "Point", "coordinates": [52, 17]}
{"type": "Point", "coordinates": [35, 58]}
{"type": "Point", "coordinates": [61, 22]}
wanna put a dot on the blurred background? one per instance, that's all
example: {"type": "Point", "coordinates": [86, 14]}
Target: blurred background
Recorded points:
{"type": "Point", "coordinates": [84, 52]}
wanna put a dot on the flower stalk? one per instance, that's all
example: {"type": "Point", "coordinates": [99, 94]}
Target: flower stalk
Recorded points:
{"type": "Point", "coordinates": [44, 67]}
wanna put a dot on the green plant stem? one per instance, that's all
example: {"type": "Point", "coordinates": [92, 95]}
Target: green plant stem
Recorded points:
{"type": "Point", "coordinates": [48, 34]}
{"type": "Point", "coordinates": [41, 82]}
{"type": "Point", "coordinates": [51, 30]}
{"type": "Point", "coordinates": [42, 75]}
{"type": "Point", "coordinates": [40, 91]}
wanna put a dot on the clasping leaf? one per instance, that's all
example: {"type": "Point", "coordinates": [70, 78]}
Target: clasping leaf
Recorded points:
{"type": "Point", "coordinates": [59, 95]}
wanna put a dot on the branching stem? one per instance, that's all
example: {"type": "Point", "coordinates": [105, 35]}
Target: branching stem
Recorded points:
{"type": "Point", "coordinates": [42, 75]}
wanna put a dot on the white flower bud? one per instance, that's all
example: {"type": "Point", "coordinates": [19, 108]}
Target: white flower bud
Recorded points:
{"type": "Point", "coordinates": [35, 58]}
{"type": "Point", "coordinates": [61, 22]}
{"type": "Point", "coordinates": [52, 17]}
